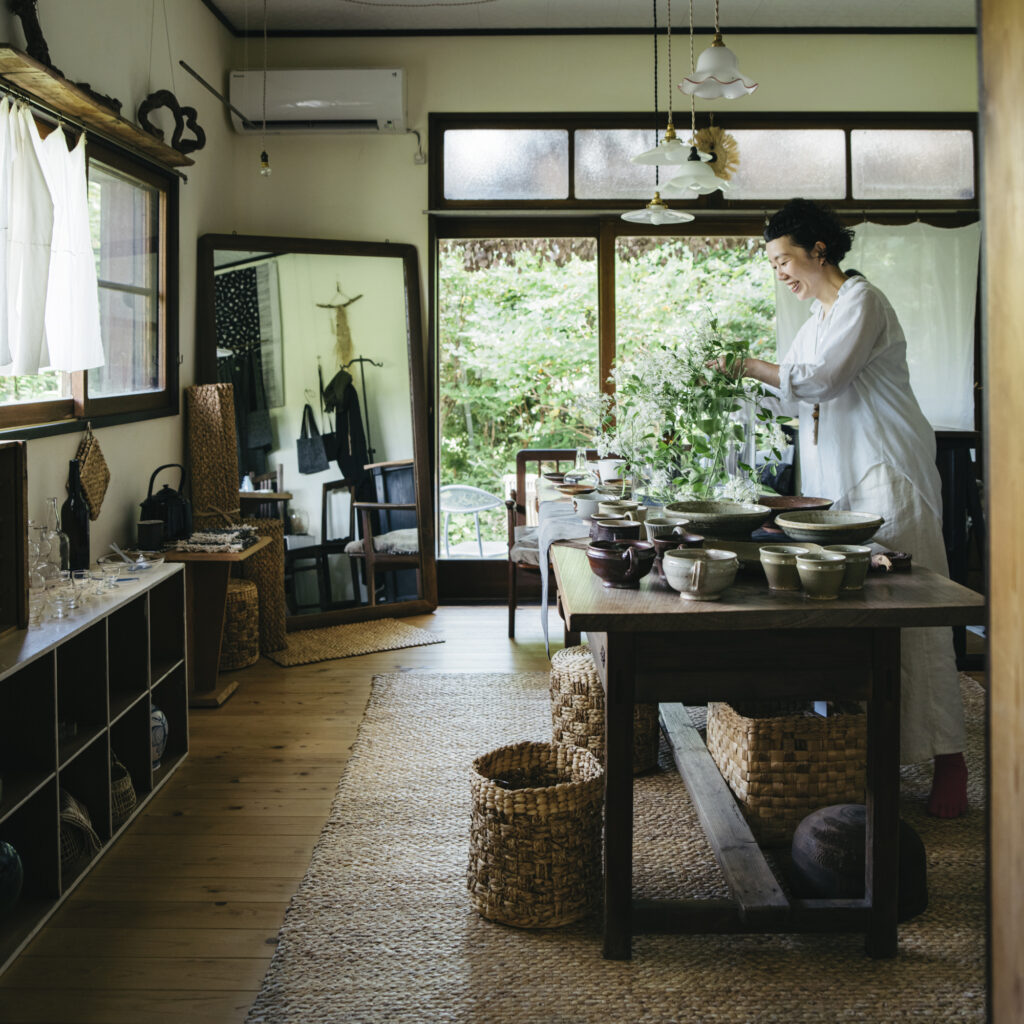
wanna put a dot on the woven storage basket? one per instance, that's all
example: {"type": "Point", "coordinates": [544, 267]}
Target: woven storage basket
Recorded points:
{"type": "Point", "coordinates": [77, 836]}
{"type": "Point", "coordinates": [122, 792]}
{"type": "Point", "coordinates": [240, 646]}
{"type": "Point", "coordinates": [266, 570]}
{"type": "Point", "coordinates": [93, 472]}
{"type": "Point", "coordinates": [781, 767]}
{"type": "Point", "coordinates": [212, 453]}
{"type": "Point", "coordinates": [577, 710]}
{"type": "Point", "coordinates": [535, 851]}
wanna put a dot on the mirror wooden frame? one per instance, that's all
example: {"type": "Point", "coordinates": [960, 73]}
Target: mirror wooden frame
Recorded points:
{"type": "Point", "coordinates": [206, 373]}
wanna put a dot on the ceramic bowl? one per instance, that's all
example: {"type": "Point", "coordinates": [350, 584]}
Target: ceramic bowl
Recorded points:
{"type": "Point", "coordinates": [858, 561]}
{"type": "Point", "coordinates": [700, 574]}
{"type": "Point", "coordinates": [573, 489]}
{"type": "Point", "coordinates": [732, 519]}
{"type": "Point", "coordinates": [779, 564]}
{"type": "Point", "coordinates": [620, 565]}
{"type": "Point", "coordinates": [829, 527]}
{"type": "Point", "coordinates": [594, 527]}
{"type": "Point", "coordinates": [791, 503]}
{"type": "Point", "coordinates": [586, 503]}
{"type": "Point", "coordinates": [555, 478]}
{"type": "Point", "coordinates": [633, 509]}
{"type": "Point", "coordinates": [614, 529]}
{"type": "Point", "coordinates": [821, 574]}
{"type": "Point", "coordinates": [663, 526]}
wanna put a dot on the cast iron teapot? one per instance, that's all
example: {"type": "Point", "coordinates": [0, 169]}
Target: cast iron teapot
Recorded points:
{"type": "Point", "coordinates": [169, 506]}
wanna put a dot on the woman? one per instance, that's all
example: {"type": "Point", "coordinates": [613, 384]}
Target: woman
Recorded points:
{"type": "Point", "coordinates": [865, 443]}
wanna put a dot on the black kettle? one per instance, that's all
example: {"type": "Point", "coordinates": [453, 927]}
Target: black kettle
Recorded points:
{"type": "Point", "coordinates": [171, 507]}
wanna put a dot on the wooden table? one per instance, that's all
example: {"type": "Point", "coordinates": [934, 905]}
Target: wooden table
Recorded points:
{"type": "Point", "coordinates": [206, 597]}
{"type": "Point", "coordinates": [650, 645]}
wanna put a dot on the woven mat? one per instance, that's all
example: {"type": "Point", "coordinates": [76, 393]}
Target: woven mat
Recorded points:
{"type": "Point", "coordinates": [308, 645]}
{"type": "Point", "coordinates": [381, 928]}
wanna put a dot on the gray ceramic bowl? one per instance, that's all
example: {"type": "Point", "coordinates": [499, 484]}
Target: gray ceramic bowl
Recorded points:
{"type": "Point", "coordinates": [725, 519]}
{"type": "Point", "coordinates": [829, 527]}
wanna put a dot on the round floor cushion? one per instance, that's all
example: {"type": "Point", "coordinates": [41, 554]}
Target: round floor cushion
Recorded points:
{"type": "Point", "coordinates": [828, 859]}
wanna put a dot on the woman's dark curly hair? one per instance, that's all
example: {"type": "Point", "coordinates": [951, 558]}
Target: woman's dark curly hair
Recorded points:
{"type": "Point", "coordinates": [808, 223]}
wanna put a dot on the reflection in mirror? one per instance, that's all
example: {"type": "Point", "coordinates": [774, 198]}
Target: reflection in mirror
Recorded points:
{"type": "Point", "coordinates": [321, 342]}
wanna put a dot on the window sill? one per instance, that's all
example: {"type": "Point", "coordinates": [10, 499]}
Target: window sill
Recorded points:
{"type": "Point", "coordinates": [77, 425]}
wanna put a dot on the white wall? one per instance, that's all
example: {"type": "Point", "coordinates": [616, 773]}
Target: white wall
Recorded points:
{"type": "Point", "coordinates": [106, 43]}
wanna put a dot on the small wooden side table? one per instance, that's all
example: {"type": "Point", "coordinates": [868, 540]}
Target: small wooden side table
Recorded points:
{"type": "Point", "coordinates": [206, 596]}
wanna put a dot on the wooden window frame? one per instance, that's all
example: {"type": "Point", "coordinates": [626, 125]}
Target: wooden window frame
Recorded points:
{"type": "Point", "coordinates": [65, 415]}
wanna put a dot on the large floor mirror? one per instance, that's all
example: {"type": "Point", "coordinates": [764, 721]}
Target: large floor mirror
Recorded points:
{"type": "Point", "coordinates": [322, 339]}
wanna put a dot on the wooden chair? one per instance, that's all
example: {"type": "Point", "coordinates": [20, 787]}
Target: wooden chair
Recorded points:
{"type": "Point", "coordinates": [389, 536]}
{"type": "Point", "coordinates": [267, 505]}
{"type": "Point", "coordinates": [523, 543]}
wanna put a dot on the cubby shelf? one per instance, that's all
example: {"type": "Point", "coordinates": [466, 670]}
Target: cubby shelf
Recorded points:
{"type": "Point", "coordinates": [74, 694]}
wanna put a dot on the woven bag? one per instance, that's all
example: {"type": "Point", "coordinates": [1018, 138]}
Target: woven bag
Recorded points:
{"type": "Point", "coordinates": [122, 792]}
{"type": "Point", "coordinates": [577, 710]}
{"type": "Point", "coordinates": [212, 454]}
{"type": "Point", "coordinates": [92, 468]}
{"type": "Point", "coordinates": [77, 836]}
{"type": "Point", "coordinates": [781, 767]}
{"type": "Point", "coordinates": [535, 849]}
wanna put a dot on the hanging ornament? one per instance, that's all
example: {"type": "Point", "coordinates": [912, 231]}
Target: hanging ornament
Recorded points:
{"type": "Point", "coordinates": [722, 148]}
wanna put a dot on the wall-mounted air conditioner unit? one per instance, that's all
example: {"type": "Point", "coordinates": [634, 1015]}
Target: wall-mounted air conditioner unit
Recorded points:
{"type": "Point", "coordinates": [320, 100]}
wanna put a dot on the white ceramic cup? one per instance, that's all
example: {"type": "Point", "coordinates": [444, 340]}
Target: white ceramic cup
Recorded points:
{"type": "Point", "coordinates": [700, 574]}
{"type": "Point", "coordinates": [633, 509]}
{"type": "Point", "coordinates": [586, 504]}
{"type": "Point", "coordinates": [662, 526]}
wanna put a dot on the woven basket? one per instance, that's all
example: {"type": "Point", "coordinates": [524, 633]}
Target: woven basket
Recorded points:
{"type": "Point", "coordinates": [122, 792]}
{"type": "Point", "coordinates": [266, 570]}
{"type": "Point", "coordinates": [212, 453]}
{"type": "Point", "coordinates": [781, 767]}
{"type": "Point", "coordinates": [240, 645]}
{"type": "Point", "coordinates": [577, 710]}
{"type": "Point", "coordinates": [535, 851]}
{"type": "Point", "coordinates": [77, 836]}
{"type": "Point", "coordinates": [93, 471]}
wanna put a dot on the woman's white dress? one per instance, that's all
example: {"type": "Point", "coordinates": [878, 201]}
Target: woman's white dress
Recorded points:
{"type": "Point", "coordinates": [875, 452]}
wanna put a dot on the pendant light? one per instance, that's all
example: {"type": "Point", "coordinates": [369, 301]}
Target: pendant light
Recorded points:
{"type": "Point", "coordinates": [656, 212]}
{"type": "Point", "coordinates": [264, 158]}
{"type": "Point", "coordinates": [696, 175]}
{"type": "Point", "coordinates": [717, 75]}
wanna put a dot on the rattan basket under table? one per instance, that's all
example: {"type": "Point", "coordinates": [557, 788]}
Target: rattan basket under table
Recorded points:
{"type": "Point", "coordinates": [781, 767]}
{"type": "Point", "coordinates": [240, 643]}
{"type": "Point", "coordinates": [577, 710]}
{"type": "Point", "coordinates": [535, 834]}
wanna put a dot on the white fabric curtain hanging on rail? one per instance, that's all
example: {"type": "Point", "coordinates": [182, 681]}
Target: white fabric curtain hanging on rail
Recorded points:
{"type": "Point", "coordinates": [930, 276]}
{"type": "Point", "coordinates": [49, 301]}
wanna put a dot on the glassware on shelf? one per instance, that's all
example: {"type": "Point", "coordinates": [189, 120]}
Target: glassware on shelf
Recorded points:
{"type": "Point", "coordinates": [54, 541]}
{"type": "Point", "coordinates": [298, 521]}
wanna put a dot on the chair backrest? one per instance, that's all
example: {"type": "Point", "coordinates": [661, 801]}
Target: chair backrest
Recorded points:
{"type": "Point", "coordinates": [275, 476]}
{"type": "Point", "coordinates": [327, 495]}
{"type": "Point", "coordinates": [536, 461]}
{"type": "Point", "coordinates": [395, 484]}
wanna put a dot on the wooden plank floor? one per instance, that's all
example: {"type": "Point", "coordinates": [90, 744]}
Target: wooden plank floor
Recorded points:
{"type": "Point", "coordinates": [177, 923]}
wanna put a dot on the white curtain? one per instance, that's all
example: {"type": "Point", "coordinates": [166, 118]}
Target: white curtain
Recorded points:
{"type": "Point", "coordinates": [49, 298]}
{"type": "Point", "coordinates": [930, 276]}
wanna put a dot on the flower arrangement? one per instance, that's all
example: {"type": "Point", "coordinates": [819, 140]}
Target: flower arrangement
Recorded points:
{"type": "Point", "coordinates": [685, 420]}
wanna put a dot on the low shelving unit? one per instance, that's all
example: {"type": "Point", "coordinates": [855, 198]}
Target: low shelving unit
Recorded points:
{"type": "Point", "coordinates": [76, 696]}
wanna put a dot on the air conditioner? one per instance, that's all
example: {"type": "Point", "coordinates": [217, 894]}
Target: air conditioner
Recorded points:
{"type": "Point", "coordinates": [319, 100]}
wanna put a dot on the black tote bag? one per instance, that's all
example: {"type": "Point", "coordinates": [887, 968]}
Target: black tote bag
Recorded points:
{"type": "Point", "coordinates": [310, 445]}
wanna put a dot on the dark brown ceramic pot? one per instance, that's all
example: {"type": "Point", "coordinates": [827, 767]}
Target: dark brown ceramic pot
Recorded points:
{"type": "Point", "coordinates": [676, 540]}
{"type": "Point", "coordinates": [621, 564]}
{"type": "Point", "coordinates": [614, 529]}
{"type": "Point", "coordinates": [790, 503]}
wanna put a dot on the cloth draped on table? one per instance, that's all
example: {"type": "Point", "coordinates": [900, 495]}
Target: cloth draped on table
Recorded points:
{"type": "Point", "coordinates": [557, 520]}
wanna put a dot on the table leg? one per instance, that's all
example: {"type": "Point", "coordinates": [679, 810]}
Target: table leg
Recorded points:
{"type": "Point", "coordinates": [206, 587]}
{"type": "Point", "coordinates": [881, 861]}
{"type": "Point", "coordinates": [618, 797]}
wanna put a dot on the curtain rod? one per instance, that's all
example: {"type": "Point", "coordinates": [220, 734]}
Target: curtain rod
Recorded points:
{"type": "Point", "coordinates": [63, 120]}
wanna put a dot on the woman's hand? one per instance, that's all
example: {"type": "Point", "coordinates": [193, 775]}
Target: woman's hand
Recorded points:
{"type": "Point", "coordinates": [731, 365]}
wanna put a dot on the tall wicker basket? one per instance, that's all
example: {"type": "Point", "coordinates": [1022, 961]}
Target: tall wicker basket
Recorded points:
{"type": "Point", "coordinates": [577, 710]}
{"type": "Point", "coordinates": [535, 834]}
{"type": "Point", "coordinates": [240, 645]}
{"type": "Point", "coordinates": [781, 767]}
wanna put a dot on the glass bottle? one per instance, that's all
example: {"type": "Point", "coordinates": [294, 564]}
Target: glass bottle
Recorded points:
{"type": "Point", "coordinates": [74, 519]}
{"type": "Point", "coordinates": [55, 540]}
{"type": "Point", "coordinates": [581, 475]}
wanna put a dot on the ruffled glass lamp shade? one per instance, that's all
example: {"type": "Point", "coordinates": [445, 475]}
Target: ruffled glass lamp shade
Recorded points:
{"type": "Point", "coordinates": [669, 151]}
{"type": "Point", "coordinates": [657, 213]}
{"type": "Point", "coordinates": [695, 177]}
{"type": "Point", "coordinates": [717, 75]}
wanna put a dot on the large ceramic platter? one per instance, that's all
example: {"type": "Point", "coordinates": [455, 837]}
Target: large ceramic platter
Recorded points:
{"type": "Point", "coordinates": [721, 518]}
{"type": "Point", "coordinates": [829, 527]}
{"type": "Point", "coordinates": [782, 503]}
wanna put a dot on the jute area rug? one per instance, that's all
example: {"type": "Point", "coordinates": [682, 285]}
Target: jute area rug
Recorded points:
{"type": "Point", "coordinates": [381, 929]}
{"type": "Point", "coordinates": [305, 646]}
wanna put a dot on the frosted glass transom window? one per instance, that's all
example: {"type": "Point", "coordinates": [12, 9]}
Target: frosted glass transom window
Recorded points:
{"type": "Point", "coordinates": [781, 164]}
{"type": "Point", "coordinates": [916, 164]}
{"type": "Point", "coordinates": [513, 163]}
{"type": "Point", "coordinates": [603, 169]}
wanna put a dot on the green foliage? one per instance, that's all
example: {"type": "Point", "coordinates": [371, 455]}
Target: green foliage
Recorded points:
{"type": "Point", "coordinates": [38, 387]}
{"type": "Point", "coordinates": [518, 336]}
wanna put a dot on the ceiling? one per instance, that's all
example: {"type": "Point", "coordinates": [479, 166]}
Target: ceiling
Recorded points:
{"type": "Point", "coordinates": [342, 17]}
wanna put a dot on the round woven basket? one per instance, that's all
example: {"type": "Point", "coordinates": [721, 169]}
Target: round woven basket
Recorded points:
{"type": "Point", "coordinates": [240, 646]}
{"type": "Point", "coordinates": [266, 570]}
{"type": "Point", "coordinates": [577, 710]}
{"type": "Point", "coordinates": [535, 834]}
{"type": "Point", "coordinates": [122, 792]}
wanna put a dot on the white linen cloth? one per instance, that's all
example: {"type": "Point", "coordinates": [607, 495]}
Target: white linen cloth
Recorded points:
{"type": "Point", "coordinates": [72, 315]}
{"type": "Point", "coordinates": [6, 159]}
{"type": "Point", "coordinates": [557, 520]}
{"type": "Point", "coordinates": [875, 452]}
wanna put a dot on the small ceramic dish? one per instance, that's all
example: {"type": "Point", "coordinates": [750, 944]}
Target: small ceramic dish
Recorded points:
{"type": "Point", "coordinates": [700, 574]}
{"type": "Point", "coordinates": [821, 574]}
